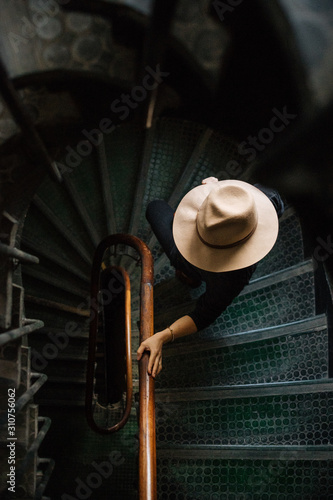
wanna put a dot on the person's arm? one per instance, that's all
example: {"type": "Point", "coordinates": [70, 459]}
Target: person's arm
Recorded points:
{"type": "Point", "coordinates": [183, 326]}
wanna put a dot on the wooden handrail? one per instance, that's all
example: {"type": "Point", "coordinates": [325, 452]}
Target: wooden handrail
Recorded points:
{"type": "Point", "coordinates": [147, 436]}
{"type": "Point", "coordinates": [92, 351]}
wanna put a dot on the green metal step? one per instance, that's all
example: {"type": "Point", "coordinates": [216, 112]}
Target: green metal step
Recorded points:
{"type": "Point", "coordinates": [177, 158]}
{"type": "Point", "coordinates": [289, 413]}
{"type": "Point", "coordinates": [280, 298]}
{"type": "Point", "coordinates": [213, 474]}
{"type": "Point", "coordinates": [295, 351]}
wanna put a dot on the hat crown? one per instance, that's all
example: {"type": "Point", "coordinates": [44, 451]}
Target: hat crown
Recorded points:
{"type": "Point", "coordinates": [227, 216]}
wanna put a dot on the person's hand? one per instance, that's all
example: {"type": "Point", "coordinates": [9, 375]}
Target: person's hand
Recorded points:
{"type": "Point", "coordinates": [154, 345]}
{"type": "Point", "coordinates": [209, 180]}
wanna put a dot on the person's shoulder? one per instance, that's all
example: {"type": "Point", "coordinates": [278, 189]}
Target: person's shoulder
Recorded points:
{"type": "Point", "coordinates": [274, 197]}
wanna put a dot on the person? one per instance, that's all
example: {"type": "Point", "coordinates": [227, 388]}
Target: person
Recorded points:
{"type": "Point", "coordinates": [219, 232]}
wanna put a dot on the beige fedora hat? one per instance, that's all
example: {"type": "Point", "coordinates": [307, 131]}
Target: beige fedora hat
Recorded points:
{"type": "Point", "coordinates": [224, 226]}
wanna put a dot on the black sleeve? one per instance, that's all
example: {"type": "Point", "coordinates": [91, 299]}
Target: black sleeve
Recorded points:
{"type": "Point", "coordinates": [274, 196]}
{"type": "Point", "coordinates": [221, 289]}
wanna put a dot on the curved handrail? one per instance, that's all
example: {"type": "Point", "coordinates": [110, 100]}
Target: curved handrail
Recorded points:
{"type": "Point", "coordinates": [92, 352]}
{"type": "Point", "coordinates": [147, 436]}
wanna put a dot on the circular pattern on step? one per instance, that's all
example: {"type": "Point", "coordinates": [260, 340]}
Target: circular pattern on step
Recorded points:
{"type": "Point", "coordinates": [56, 54]}
{"type": "Point", "coordinates": [283, 420]}
{"type": "Point", "coordinates": [50, 29]}
{"type": "Point", "coordinates": [78, 22]}
{"type": "Point", "coordinates": [293, 358]}
{"type": "Point", "coordinates": [87, 49]}
{"type": "Point", "coordinates": [218, 479]}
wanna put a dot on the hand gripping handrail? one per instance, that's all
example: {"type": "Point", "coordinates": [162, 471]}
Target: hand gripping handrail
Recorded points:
{"type": "Point", "coordinates": [147, 437]}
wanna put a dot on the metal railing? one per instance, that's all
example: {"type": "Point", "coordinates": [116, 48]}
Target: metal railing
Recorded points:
{"type": "Point", "coordinates": [147, 437]}
{"type": "Point", "coordinates": [92, 355]}
{"type": "Point", "coordinates": [17, 333]}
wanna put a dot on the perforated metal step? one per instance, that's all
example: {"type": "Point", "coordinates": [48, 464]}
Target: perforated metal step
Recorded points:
{"type": "Point", "coordinates": [283, 297]}
{"type": "Point", "coordinates": [296, 351]}
{"type": "Point", "coordinates": [296, 413]}
{"type": "Point", "coordinates": [212, 477]}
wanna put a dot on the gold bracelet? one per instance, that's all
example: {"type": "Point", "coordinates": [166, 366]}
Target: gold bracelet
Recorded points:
{"type": "Point", "coordinates": [172, 335]}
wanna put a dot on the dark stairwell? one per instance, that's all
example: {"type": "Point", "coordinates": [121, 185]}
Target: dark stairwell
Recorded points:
{"type": "Point", "coordinates": [243, 408]}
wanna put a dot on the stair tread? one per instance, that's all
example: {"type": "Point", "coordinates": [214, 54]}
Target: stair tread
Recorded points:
{"type": "Point", "coordinates": [282, 298]}
{"type": "Point", "coordinates": [212, 447]}
{"type": "Point", "coordinates": [245, 390]}
{"type": "Point", "coordinates": [244, 452]}
{"type": "Point", "coordinates": [296, 351]}
{"type": "Point", "coordinates": [317, 322]}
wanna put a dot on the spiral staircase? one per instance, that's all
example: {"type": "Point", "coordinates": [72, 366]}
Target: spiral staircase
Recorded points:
{"type": "Point", "coordinates": [244, 407]}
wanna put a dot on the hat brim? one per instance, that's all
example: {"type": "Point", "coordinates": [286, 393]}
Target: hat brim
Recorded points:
{"type": "Point", "coordinates": [227, 259]}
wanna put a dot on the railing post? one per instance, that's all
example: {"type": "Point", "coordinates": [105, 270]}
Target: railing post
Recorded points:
{"type": "Point", "coordinates": [147, 437]}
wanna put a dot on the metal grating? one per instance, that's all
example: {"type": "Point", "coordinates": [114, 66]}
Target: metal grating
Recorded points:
{"type": "Point", "coordinates": [173, 145]}
{"type": "Point", "coordinates": [287, 251]}
{"type": "Point", "coordinates": [289, 419]}
{"type": "Point", "coordinates": [163, 270]}
{"type": "Point", "coordinates": [218, 479]}
{"type": "Point", "coordinates": [67, 40]}
{"type": "Point", "coordinates": [280, 302]}
{"type": "Point", "coordinates": [106, 463]}
{"type": "Point", "coordinates": [287, 358]}
{"type": "Point", "coordinates": [218, 153]}
{"type": "Point", "coordinates": [43, 232]}
{"type": "Point", "coordinates": [61, 205]}
{"type": "Point", "coordinates": [123, 149]}
{"type": "Point", "coordinates": [220, 159]}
